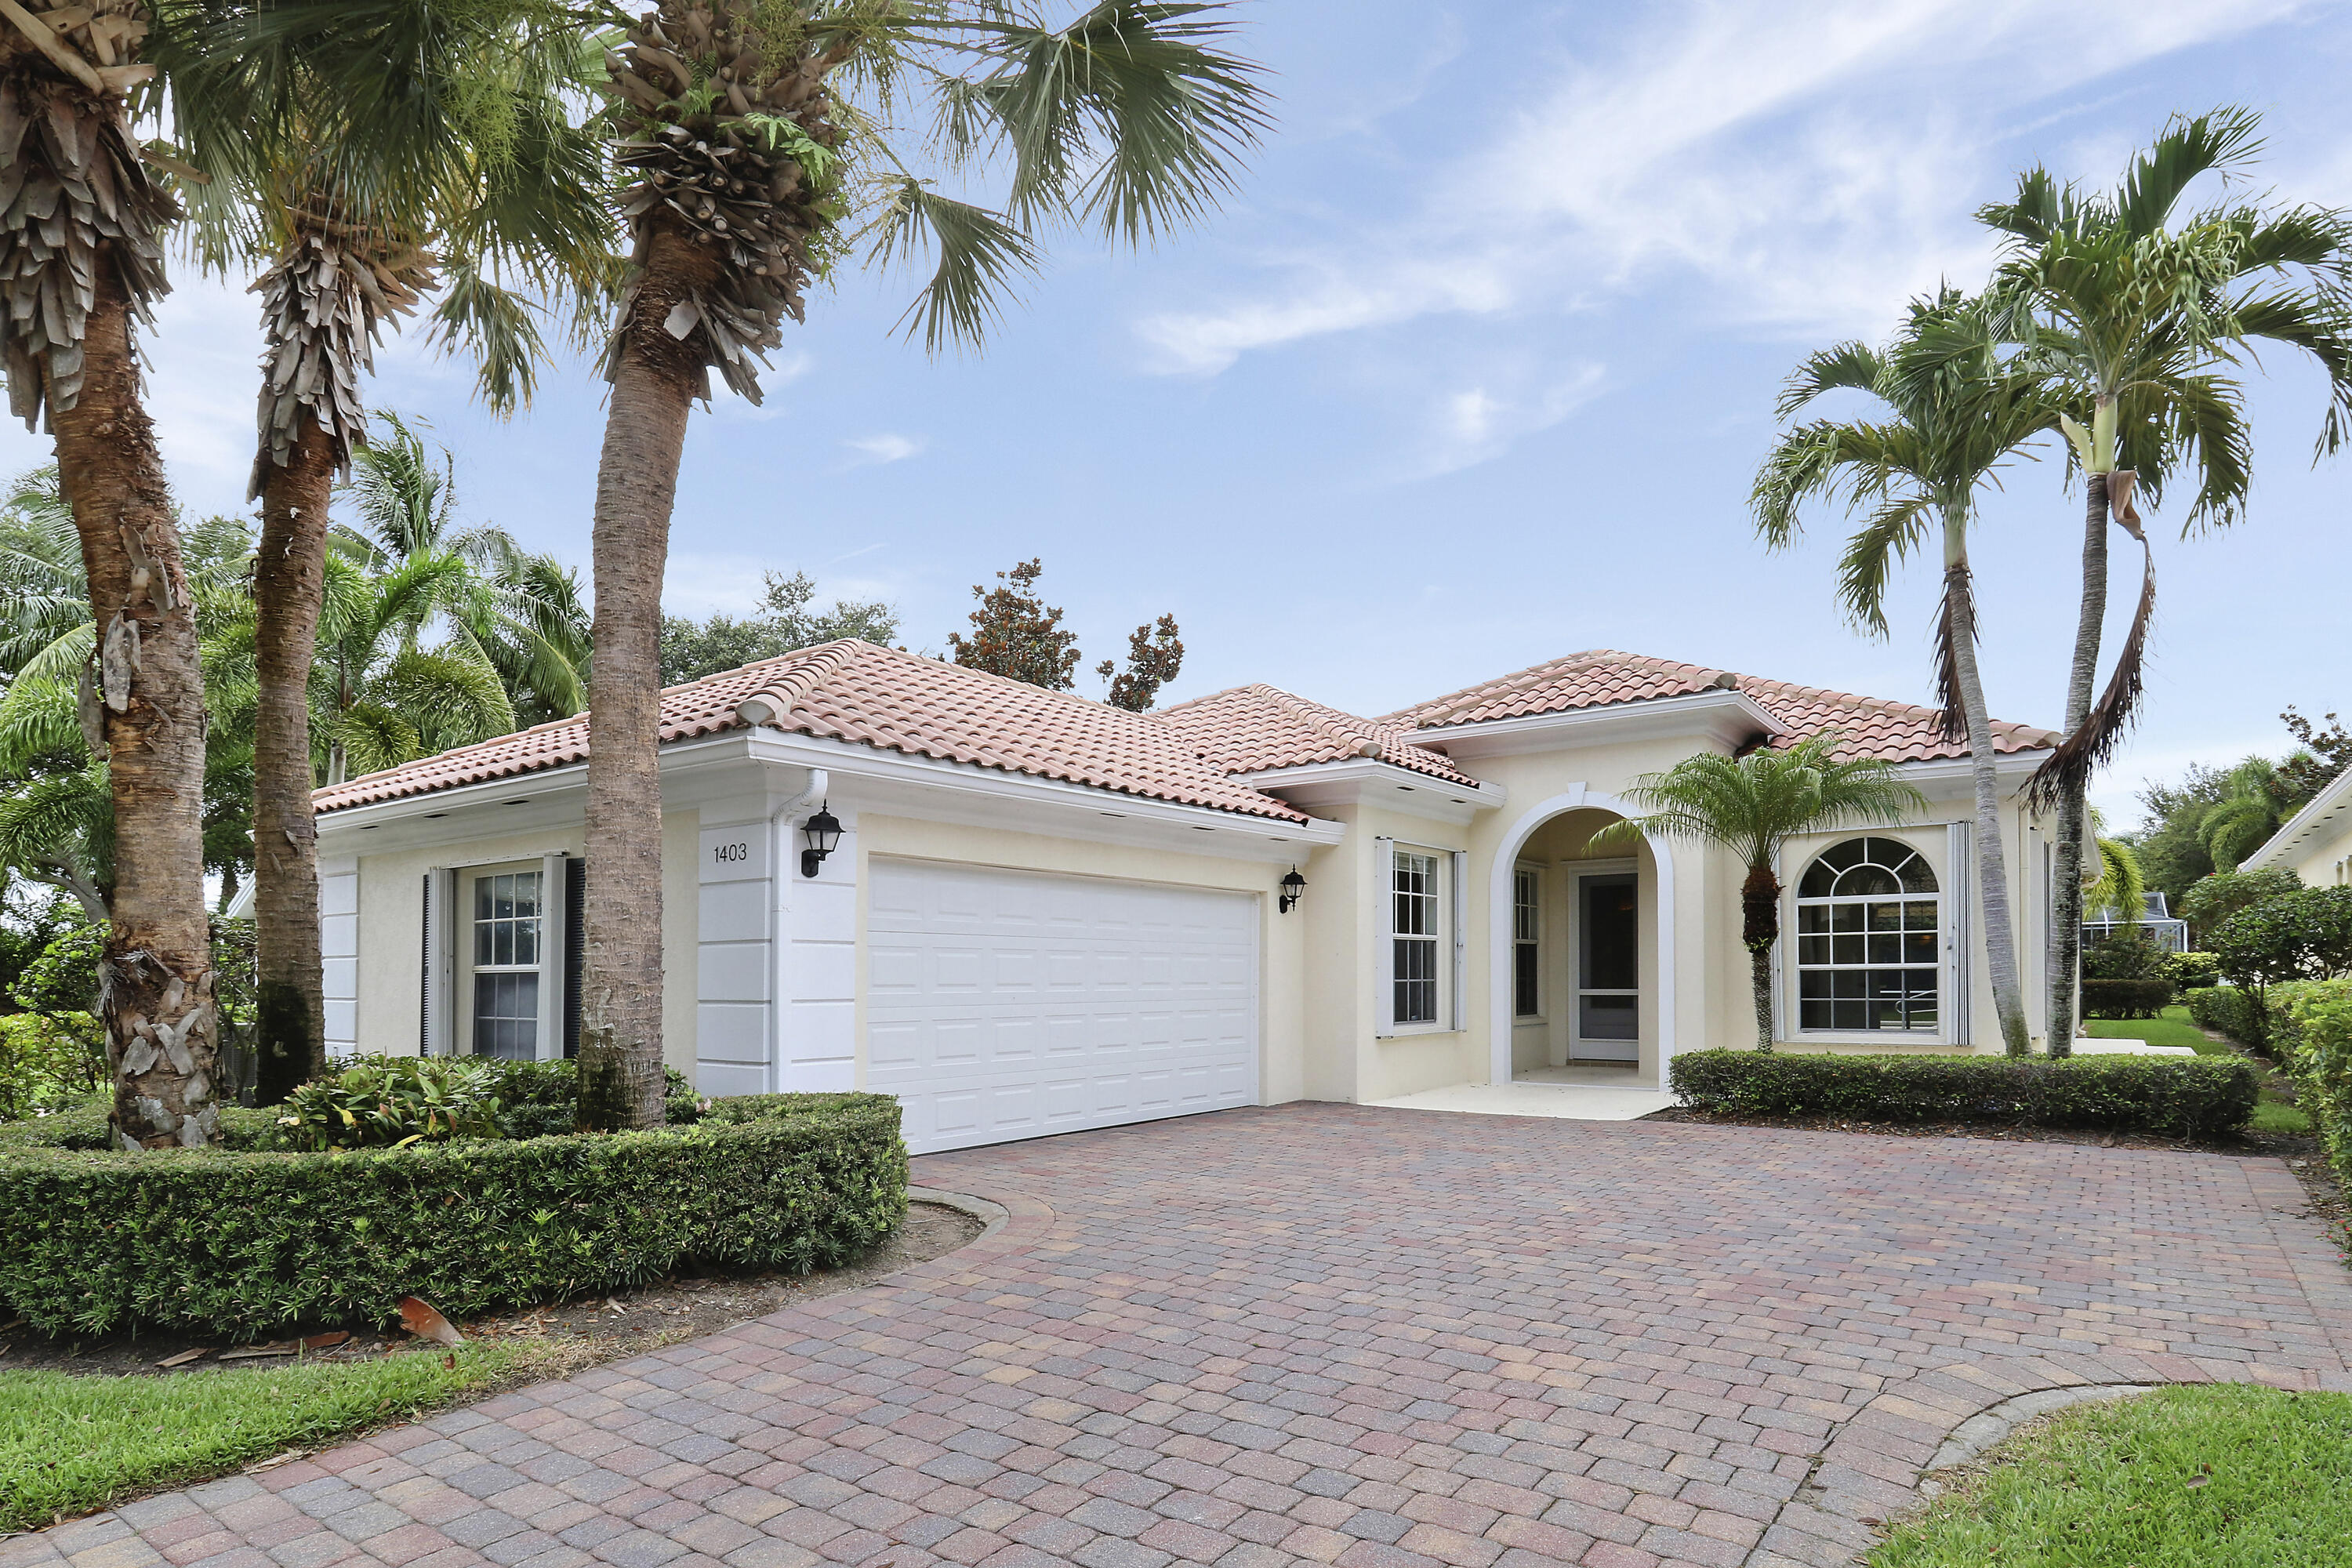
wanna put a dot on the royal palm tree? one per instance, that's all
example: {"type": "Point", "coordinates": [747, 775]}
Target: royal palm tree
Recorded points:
{"type": "Point", "coordinates": [1954, 414]}
{"type": "Point", "coordinates": [464, 157]}
{"type": "Point", "coordinates": [2138, 320]}
{"type": "Point", "coordinates": [1753, 805]}
{"type": "Point", "coordinates": [756, 134]}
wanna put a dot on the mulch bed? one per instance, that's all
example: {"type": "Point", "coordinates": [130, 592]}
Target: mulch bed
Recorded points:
{"type": "Point", "coordinates": [590, 1330]}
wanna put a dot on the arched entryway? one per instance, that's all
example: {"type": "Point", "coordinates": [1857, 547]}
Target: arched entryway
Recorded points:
{"type": "Point", "coordinates": [1581, 987]}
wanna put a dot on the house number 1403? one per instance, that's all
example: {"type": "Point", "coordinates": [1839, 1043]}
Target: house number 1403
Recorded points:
{"type": "Point", "coordinates": [738, 850]}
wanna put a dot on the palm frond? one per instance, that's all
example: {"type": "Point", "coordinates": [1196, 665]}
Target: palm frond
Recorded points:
{"type": "Point", "coordinates": [2189, 147]}
{"type": "Point", "coordinates": [1884, 540]}
{"type": "Point", "coordinates": [1848, 366]}
{"type": "Point", "coordinates": [496, 329]}
{"type": "Point", "coordinates": [978, 254]}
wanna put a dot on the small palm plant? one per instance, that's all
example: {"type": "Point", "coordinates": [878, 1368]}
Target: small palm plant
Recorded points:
{"type": "Point", "coordinates": [1753, 805]}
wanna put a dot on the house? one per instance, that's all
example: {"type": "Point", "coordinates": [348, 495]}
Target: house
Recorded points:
{"type": "Point", "coordinates": [1043, 913]}
{"type": "Point", "coordinates": [2315, 843]}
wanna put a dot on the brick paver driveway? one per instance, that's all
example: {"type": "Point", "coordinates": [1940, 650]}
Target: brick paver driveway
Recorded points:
{"type": "Point", "coordinates": [1343, 1334]}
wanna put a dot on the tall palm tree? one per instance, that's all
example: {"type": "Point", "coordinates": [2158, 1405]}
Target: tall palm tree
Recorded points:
{"type": "Point", "coordinates": [81, 265]}
{"type": "Point", "coordinates": [2247, 814]}
{"type": "Point", "coordinates": [478, 166]}
{"type": "Point", "coordinates": [755, 132]}
{"type": "Point", "coordinates": [2136, 317]}
{"type": "Point", "coordinates": [1956, 415]}
{"type": "Point", "coordinates": [1753, 805]}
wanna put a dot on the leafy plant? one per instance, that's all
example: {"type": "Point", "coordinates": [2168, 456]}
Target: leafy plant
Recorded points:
{"type": "Point", "coordinates": [2228, 1011]}
{"type": "Point", "coordinates": [2191, 970]}
{"type": "Point", "coordinates": [2140, 997]}
{"type": "Point", "coordinates": [2302, 935]}
{"type": "Point", "coordinates": [392, 1101]}
{"type": "Point", "coordinates": [2128, 955]}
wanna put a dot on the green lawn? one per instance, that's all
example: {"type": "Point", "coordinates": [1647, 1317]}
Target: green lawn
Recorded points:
{"type": "Point", "coordinates": [2173, 1029]}
{"type": "Point", "coordinates": [2224, 1476]}
{"type": "Point", "coordinates": [70, 1444]}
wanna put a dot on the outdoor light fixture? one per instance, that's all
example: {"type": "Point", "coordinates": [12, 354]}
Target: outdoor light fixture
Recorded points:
{"type": "Point", "coordinates": [823, 832]}
{"type": "Point", "coordinates": [1294, 887]}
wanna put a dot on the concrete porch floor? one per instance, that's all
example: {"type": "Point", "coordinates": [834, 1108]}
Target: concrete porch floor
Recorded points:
{"type": "Point", "coordinates": [1580, 1091]}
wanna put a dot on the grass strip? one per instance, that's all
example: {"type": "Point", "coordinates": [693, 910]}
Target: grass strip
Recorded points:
{"type": "Point", "coordinates": [70, 1444]}
{"type": "Point", "coordinates": [2172, 1029]}
{"type": "Point", "coordinates": [2219, 1476]}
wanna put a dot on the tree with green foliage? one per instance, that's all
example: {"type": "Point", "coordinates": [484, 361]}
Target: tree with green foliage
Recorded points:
{"type": "Point", "coordinates": [2255, 800]}
{"type": "Point", "coordinates": [2137, 316]}
{"type": "Point", "coordinates": [2305, 934]}
{"type": "Point", "coordinates": [786, 621]}
{"type": "Point", "coordinates": [1753, 805]}
{"type": "Point", "coordinates": [1954, 413]}
{"type": "Point", "coordinates": [2171, 838]}
{"type": "Point", "coordinates": [1155, 654]}
{"type": "Point", "coordinates": [757, 137]}
{"type": "Point", "coordinates": [2320, 759]}
{"type": "Point", "coordinates": [1015, 634]}
{"type": "Point", "coordinates": [2209, 904]}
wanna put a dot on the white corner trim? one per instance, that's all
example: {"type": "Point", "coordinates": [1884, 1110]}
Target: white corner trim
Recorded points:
{"type": "Point", "coordinates": [1576, 797]}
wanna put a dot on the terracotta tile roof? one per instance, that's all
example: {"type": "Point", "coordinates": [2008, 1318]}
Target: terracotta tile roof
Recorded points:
{"type": "Point", "coordinates": [1869, 726]}
{"type": "Point", "coordinates": [860, 691]}
{"type": "Point", "coordinates": [1250, 728]}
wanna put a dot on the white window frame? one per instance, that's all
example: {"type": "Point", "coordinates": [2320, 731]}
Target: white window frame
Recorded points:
{"type": "Point", "coordinates": [548, 1045]}
{"type": "Point", "coordinates": [1527, 938]}
{"type": "Point", "coordinates": [1950, 985]}
{"type": "Point", "coordinates": [1439, 940]}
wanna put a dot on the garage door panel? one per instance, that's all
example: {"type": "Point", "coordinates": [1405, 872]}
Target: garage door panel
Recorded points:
{"type": "Point", "coordinates": [1006, 1004]}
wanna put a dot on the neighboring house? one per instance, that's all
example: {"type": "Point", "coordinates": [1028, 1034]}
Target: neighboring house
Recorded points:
{"type": "Point", "coordinates": [2315, 843]}
{"type": "Point", "coordinates": [1043, 913]}
{"type": "Point", "coordinates": [2157, 922]}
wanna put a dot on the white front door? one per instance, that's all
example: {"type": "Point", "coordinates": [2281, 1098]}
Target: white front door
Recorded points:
{"type": "Point", "coordinates": [1005, 1004]}
{"type": "Point", "coordinates": [1605, 1022]}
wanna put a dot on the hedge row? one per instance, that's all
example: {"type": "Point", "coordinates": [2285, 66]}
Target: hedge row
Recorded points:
{"type": "Point", "coordinates": [235, 1244]}
{"type": "Point", "coordinates": [2178, 1095]}
{"type": "Point", "coordinates": [2312, 1038]}
{"type": "Point", "coordinates": [2229, 1010]}
{"type": "Point", "coordinates": [2126, 998]}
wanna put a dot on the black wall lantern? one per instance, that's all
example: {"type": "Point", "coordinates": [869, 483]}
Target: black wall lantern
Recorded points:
{"type": "Point", "coordinates": [822, 832]}
{"type": "Point", "coordinates": [1294, 887]}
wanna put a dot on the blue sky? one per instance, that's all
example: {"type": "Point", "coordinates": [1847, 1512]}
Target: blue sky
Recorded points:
{"type": "Point", "coordinates": [1475, 368]}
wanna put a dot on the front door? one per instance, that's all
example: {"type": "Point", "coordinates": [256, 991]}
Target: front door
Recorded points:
{"type": "Point", "coordinates": [1607, 1027]}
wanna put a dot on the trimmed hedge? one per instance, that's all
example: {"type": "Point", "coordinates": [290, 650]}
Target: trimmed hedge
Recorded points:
{"type": "Point", "coordinates": [2229, 1010]}
{"type": "Point", "coordinates": [2126, 998]}
{"type": "Point", "coordinates": [240, 1244]}
{"type": "Point", "coordinates": [2182, 1095]}
{"type": "Point", "coordinates": [2314, 1034]}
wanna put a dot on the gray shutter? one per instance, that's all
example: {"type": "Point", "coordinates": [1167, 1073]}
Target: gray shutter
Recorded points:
{"type": "Point", "coordinates": [555, 946]}
{"type": "Point", "coordinates": [575, 947]}
{"type": "Point", "coordinates": [1460, 889]}
{"type": "Point", "coordinates": [1959, 885]}
{"type": "Point", "coordinates": [437, 998]}
{"type": "Point", "coordinates": [1384, 938]}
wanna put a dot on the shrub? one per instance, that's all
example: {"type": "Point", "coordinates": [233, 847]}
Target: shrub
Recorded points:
{"type": "Point", "coordinates": [2126, 998]}
{"type": "Point", "coordinates": [2229, 1010]}
{"type": "Point", "coordinates": [2319, 1019]}
{"type": "Point", "coordinates": [537, 1099]}
{"type": "Point", "coordinates": [47, 1061]}
{"type": "Point", "coordinates": [82, 1125]}
{"type": "Point", "coordinates": [2183, 1096]}
{"type": "Point", "coordinates": [378, 1103]}
{"type": "Point", "coordinates": [220, 1242]}
{"type": "Point", "coordinates": [2128, 955]}
{"type": "Point", "coordinates": [2190, 971]}
{"type": "Point", "coordinates": [2213, 899]}
{"type": "Point", "coordinates": [2302, 935]}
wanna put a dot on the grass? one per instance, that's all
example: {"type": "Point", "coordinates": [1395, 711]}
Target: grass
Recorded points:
{"type": "Point", "coordinates": [70, 1444]}
{"type": "Point", "coordinates": [2222, 1476]}
{"type": "Point", "coordinates": [2272, 1114]}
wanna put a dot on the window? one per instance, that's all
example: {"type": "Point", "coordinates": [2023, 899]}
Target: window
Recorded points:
{"type": "Point", "coordinates": [1869, 939]}
{"type": "Point", "coordinates": [506, 931]}
{"type": "Point", "coordinates": [1527, 939]}
{"type": "Point", "coordinates": [1415, 883]}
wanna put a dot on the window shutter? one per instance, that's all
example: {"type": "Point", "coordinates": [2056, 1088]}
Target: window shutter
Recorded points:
{"type": "Point", "coordinates": [555, 947]}
{"type": "Point", "coordinates": [1959, 886]}
{"type": "Point", "coordinates": [434, 1034]}
{"type": "Point", "coordinates": [1461, 898]}
{"type": "Point", "coordinates": [1384, 938]}
{"type": "Point", "coordinates": [575, 947]}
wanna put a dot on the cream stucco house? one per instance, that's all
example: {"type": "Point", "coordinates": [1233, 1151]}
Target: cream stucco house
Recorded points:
{"type": "Point", "coordinates": [2315, 843]}
{"type": "Point", "coordinates": [1045, 914]}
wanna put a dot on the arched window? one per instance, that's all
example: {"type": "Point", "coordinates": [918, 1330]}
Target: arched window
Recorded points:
{"type": "Point", "coordinates": [1869, 939]}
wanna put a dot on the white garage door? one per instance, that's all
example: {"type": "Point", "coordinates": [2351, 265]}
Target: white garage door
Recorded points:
{"type": "Point", "coordinates": [1004, 1004]}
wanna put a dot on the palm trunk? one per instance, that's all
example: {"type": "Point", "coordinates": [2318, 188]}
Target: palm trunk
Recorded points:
{"type": "Point", "coordinates": [2073, 808]}
{"type": "Point", "coordinates": [289, 577]}
{"type": "Point", "coordinates": [156, 985]}
{"type": "Point", "coordinates": [1760, 913]}
{"type": "Point", "coordinates": [654, 378]}
{"type": "Point", "coordinates": [1993, 862]}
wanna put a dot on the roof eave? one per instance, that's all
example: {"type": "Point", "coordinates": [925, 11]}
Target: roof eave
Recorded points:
{"type": "Point", "coordinates": [1730, 717]}
{"type": "Point", "coordinates": [2322, 807]}
{"type": "Point", "coordinates": [1358, 781]}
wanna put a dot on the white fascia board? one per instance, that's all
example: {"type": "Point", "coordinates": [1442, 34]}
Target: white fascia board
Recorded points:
{"type": "Point", "coordinates": [2325, 807]}
{"type": "Point", "coordinates": [928, 788]}
{"type": "Point", "coordinates": [1355, 781]}
{"type": "Point", "coordinates": [1730, 717]}
{"type": "Point", "coordinates": [2010, 768]}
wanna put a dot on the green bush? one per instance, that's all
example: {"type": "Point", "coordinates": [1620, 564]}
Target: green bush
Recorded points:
{"type": "Point", "coordinates": [2126, 998]}
{"type": "Point", "coordinates": [376, 1102]}
{"type": "Point", "coordinates": [47, 1061]}
{"type": "Point", "coordinates": [2128, 955]}
{"type": "Point", "coordinates": [2317, 1019]}
{"type": "Point", "coordinates": [82, 1125]}
{"type": "Point", "coordinates": [2215, 899]}
{"type": "Point", "coordinates": [2182, 1095]}
{"type": "Point", "coordinates": [2302, 935]}
{"type": "Point", "coordinates": [2228, 1010]}
{"type": "Point", "coordinates": [538, 1099]}
{"type": "Point", "coordinates": [2190, 971]}
{"type": "Point", "coordinates": [221, 1242]}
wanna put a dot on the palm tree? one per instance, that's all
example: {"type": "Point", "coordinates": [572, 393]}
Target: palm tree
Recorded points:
{"type": "Point", "coordinates": [2252, 808]}
{"type": "Point", "coordinates": [1956, 415]}
{"type": "Point", "coordinates": [2136, 323]}
{"type": "Point", "coordinates": [81, 265]}
{"type": "Point", "coordinates": [756, 135]}
{"type": "Point", "coordinates": [1753, 805]}
{"type": "Point", "coordinates": [479, 162]}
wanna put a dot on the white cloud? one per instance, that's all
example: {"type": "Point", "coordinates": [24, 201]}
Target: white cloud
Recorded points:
{"type": "Point", "coordinates": [889, 447]}
{"type": "Point", "coordinates": [1479, 424]}
{"type": "Point", "coordinates": [1778, 156]}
